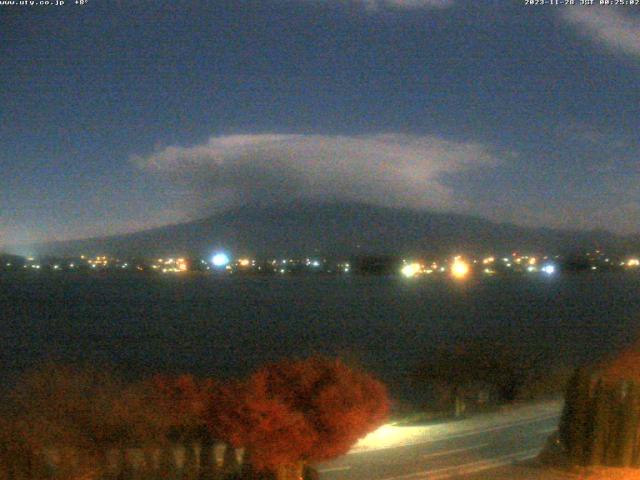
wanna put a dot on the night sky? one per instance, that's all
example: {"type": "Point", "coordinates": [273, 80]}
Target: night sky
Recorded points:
{"type": "Point", "coordinates": [124, 115]}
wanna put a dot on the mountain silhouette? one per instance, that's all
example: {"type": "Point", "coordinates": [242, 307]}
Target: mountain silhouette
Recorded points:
{"type": "Point", "coordinates": [341, 230]}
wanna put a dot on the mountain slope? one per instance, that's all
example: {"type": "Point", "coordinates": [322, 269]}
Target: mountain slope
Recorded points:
{"type": "Point", "coordinates": [341, 230]}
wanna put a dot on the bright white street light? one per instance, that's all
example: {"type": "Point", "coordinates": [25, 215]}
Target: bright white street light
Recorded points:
{"type": "Point", "coordinates": [220, 260]}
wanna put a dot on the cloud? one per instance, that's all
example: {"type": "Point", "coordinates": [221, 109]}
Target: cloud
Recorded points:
{"type": "Point", "coordinates": [406, 4]}
{"type": "Point", "coordinates": [378, 5]}
{"type": "Point", "coordinates": [384, 169]}
{"type": "Point", "coordinates": [608, 27]}
{"type": "Point", "coordinates": [13, 233]}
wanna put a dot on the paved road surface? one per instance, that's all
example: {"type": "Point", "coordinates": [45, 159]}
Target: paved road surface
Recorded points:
{"type": "Point", "coordinates": [448, 450]}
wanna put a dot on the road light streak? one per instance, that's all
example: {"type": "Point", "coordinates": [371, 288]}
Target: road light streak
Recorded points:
{"type": "Point", "coordinates": [454, 451]}
{"type": "Point", "coordinates": [546, 431]}
{"type": "Point", "coordinates": [334, 469]}
{"type": "Point", "coordinates": [438, 452]}
{"type": "Point", "coordinates": [502, 426]}
{"type": "Point", "coordinates": [468, 468]}
{"type": "Point", "coordinates": [481, 465]}
{"type": "Point", "coordinates": [389, 436]}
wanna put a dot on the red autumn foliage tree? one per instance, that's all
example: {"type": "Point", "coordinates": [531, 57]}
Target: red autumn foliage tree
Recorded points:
{"type": "Point", "coordinates": [342, 404]}
{"type": "Point", "coordinates": [624, 366]}
{"type": "Point", "coordinates": [182, 402]}
{"type": "Point", "coordinates": [292, 412]}
{"type": "Point", "coordinates": [285, 414]}
{"type": "Point", "coordinates": [79, 411]}
{"type": "Point", "coordinates": [247, 415]}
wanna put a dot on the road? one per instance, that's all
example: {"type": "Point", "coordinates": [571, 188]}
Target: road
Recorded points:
{"type": "Point", "coordinates": [448, 450]}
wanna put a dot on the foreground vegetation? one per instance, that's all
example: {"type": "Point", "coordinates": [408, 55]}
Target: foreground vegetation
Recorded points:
{"type": "Point", "coordinates": [86, 424]}
{"type": "Point", "coordinates": [61, 422]}
{"type": "Point", "coordinates": [601, 420]}
{"type": "Point", "coordinates": [480, 375]}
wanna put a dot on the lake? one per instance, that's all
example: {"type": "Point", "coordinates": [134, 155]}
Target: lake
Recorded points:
{"type": "Point", "coordinates": [227, 326]}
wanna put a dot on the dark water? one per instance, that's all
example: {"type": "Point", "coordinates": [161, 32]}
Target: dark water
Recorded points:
{"type": "Point", "coordinates": [227, 326]}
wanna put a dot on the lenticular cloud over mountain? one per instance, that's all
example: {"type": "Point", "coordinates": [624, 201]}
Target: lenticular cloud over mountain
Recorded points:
{"type": "Point", "coordinates": [384, 169]}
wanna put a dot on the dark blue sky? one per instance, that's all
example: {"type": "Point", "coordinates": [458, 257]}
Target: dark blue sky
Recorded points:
{"type": "Point", "coordinates": [116, 117]}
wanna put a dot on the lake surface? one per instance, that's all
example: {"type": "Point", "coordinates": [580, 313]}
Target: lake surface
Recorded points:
{"type": "Point", "coordinates": [227, 326]}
